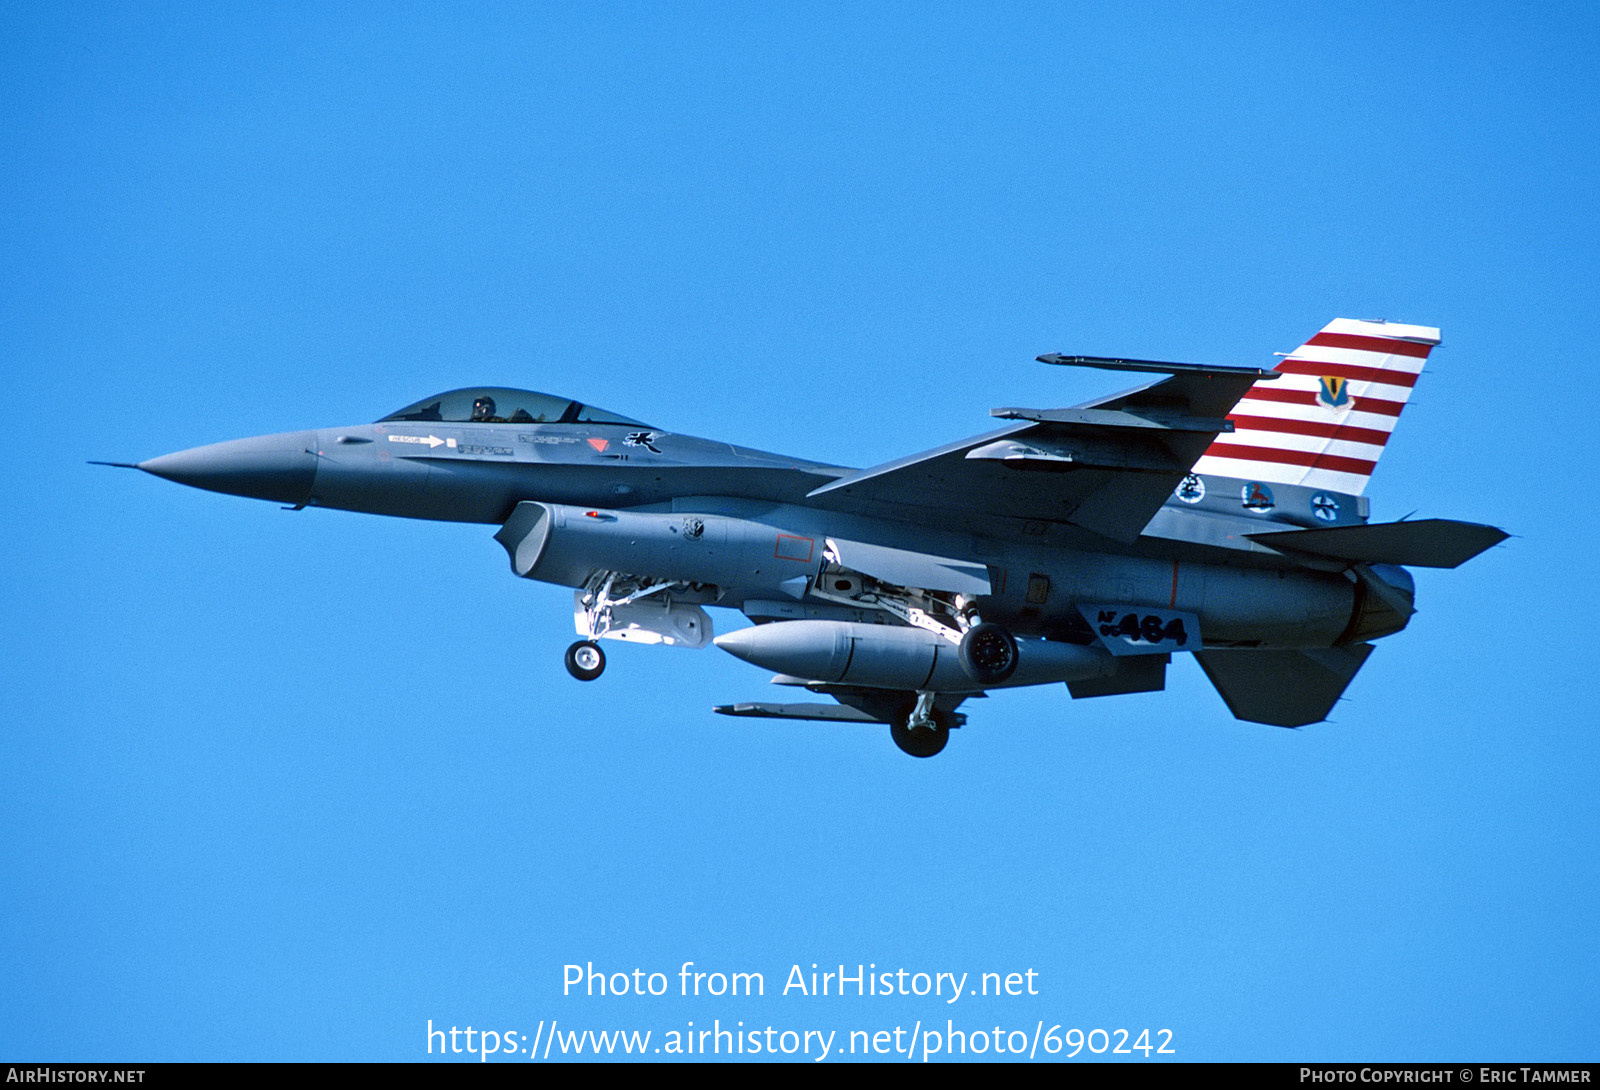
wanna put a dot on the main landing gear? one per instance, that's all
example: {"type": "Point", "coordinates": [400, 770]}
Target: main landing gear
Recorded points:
{"type": "Point", "coordinates": [585, 660]}
{"type": "Point", "coordinates": [988, 653]}
{"type": "Point", "coordinates": [922, 730]}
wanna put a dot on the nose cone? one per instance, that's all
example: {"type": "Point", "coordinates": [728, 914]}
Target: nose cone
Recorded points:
{"type": "Point", "coordinates": [268, 467]}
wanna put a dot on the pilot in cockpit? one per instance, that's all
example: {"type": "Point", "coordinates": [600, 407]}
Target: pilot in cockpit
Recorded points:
{"type": "Point", "coordinates": [483, 412]}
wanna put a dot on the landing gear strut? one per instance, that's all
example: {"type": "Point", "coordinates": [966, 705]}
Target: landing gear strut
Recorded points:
{"type": "Point", "coordinates": [585, 660]}
{"type": "Point", "coordinates": [921, 731]}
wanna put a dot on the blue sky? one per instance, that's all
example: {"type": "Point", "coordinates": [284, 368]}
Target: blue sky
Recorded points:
{"type": "Point", "coordinates": [288, 786]}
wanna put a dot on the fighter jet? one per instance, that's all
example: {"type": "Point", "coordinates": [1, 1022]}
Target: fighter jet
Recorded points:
{"type": "Point", "coordinates": [1218, 511]}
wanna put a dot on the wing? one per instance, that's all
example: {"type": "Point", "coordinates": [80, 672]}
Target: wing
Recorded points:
{"type": "Point", "coordinates": [1106, 466]}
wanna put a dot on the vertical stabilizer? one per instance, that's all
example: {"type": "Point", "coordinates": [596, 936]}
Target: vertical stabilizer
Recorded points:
{"type": "Point", "coordinates": [1325, 422]}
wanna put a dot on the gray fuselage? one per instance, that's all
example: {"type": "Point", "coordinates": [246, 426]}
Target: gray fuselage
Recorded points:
{"type": "Point", "coordinates": [760, 532]}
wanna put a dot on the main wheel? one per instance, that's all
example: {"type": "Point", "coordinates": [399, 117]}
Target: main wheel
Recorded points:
{"type": "Point", "coordinates": [988, 653]}
{"type": "Point", "coordinates": [585, 660]}
{"type": "Point", "coordinates": [920, 741]}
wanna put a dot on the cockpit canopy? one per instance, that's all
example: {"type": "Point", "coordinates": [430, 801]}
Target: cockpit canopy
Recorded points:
{"type": "Point", "coordinates": [504, 405]}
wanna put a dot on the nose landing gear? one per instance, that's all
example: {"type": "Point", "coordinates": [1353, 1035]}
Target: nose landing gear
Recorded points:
{"type": "Point", "coordinates": [585, 660]}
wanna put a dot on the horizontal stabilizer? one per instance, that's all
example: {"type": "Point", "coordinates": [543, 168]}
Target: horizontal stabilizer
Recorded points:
{"type": "Point", "coordinates": [1283, 688]}
{"type": "Point", "coordinates": [1426, 543]}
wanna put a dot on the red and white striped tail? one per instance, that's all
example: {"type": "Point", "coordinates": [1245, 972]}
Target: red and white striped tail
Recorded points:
{"type": "Point", "coordinates": [1325, 422]}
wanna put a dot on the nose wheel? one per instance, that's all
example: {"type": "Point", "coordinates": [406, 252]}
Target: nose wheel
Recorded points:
{"type": "Point", "coordinates": [585, 660]}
